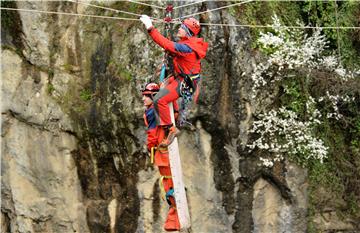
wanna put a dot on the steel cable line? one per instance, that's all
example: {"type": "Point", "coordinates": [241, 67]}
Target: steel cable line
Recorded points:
{"type": "Point", "coordinates": [189, 4]}
{"type": "Point", "coordinates": [270, 26]}
{"type": "Point", "coordinates": [235, 4]}
{"type": "Point", "coordinates": [219, 8]}
{"type": "Point", "coordinates": [106, 8]}
{"type": "Point", "coordinates": [102, 7]}
{"type": "Point", "coordinates": [66, 13]}
{"type": "Point", "coordinates": [327, 1]}
{"type": "Point", "coordinates": [145, 4]}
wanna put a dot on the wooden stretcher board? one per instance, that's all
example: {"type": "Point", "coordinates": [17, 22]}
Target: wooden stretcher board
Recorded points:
{"type": "Point", "coordinates": [177, 177]}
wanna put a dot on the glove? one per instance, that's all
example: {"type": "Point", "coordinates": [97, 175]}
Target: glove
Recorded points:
{"type": "Point", "coordinates": [146, 21]}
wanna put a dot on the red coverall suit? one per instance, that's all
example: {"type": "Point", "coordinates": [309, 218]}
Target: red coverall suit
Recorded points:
{"type": "Point", "coordinates": [155, 135]}
{"type": "Point", "coordinates": [187, 54]}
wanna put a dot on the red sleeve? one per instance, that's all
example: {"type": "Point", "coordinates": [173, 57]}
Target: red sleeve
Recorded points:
{"type": "Point", "coordinates": [151, 138]}
{"type": "Point", "coordinates": [165, 43]}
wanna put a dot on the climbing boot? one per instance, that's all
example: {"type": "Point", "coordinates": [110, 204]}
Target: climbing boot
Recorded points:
{"type": "Point", "coordinates": [172, 221]}
{"type": "Point", "coordinates": [172, 133]}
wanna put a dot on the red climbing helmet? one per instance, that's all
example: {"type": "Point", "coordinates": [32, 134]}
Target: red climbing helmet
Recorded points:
{"type": "Point", "coordinates": [193, 25]}
{"type": "Point", "coordinates": [150, 89]}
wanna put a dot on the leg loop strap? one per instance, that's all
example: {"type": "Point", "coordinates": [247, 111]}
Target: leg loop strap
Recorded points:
{"type": "Point", "coordinates": [161, 185]}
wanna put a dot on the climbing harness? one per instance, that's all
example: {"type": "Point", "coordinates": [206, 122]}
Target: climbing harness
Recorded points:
{"type": "Point", "coordinates": [162, 150]}
{"type": "Point", "coordinates": [187, 91]}
{"type": "Point", "coordinates": [161, 185]}
{"type": "Point", "coordinates": [152, 152]}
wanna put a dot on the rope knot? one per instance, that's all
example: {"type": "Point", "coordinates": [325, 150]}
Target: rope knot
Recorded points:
{"type": "Point", "coordinates": [169, 8]}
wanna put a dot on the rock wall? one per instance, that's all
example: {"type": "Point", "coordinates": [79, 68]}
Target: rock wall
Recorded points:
{"type": "Point", "coordinates": [40, 187]}
{"type": "Point", "coordinates": [72, 130]}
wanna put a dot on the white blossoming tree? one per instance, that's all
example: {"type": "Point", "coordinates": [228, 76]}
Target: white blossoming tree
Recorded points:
{"type": "Point", "coordinates": [291, 129]}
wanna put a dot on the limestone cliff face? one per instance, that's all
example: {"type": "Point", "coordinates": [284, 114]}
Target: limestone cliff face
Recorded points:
{"type": "Point", "coordinates": [73, 134]}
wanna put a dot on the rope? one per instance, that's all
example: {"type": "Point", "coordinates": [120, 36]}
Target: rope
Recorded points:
{"type": "Point", "coordinates": [270, 26]}
{"type": "Point", "coordinates": [178, 7]}
{"type": "Point", "coordinates": [145, 4]}
{"type": "Point", "coordinates": [219, 8]}
{"type": "Point", "coordinates": [65, 13]}
{"type": "Point", "coordinates": [304, 1]}
{"type": "Point", "coordinates": [107, 8]}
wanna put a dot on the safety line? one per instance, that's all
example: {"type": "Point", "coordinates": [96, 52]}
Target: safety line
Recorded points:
{"type": "Point", "coordinates": [66, 13]}
{"type": "Point", "coordinates": [270, 26]}
{"type": "Point", "coordinates": [271, 1]}
{"type": "Point", "coordinates": [219, 8]}
{"type": "Point", "coordinates": [189, 4]}
{"type": "Point", "coordinates": [145, 4]}
{"type": "Point", "coordinates": [239, 3]}
{"type": "Point", "coordinates": [107, 8]}
{"type": "Point", "coordinates": [302, 0]}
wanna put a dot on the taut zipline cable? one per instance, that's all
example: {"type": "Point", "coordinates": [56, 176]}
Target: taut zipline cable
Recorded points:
{"type": "Point", "coordinates": [145, 4]}
{"type": "Point", "coordinates": [219, 8]}
{"type": "Point", "coordinates": [189, 4]}
{"type": "Point", "coordinates": [66, 13]}
{"type": "Point", "coordinates": [270, 26]}
{"type": "Point", "coordinates": [106, 8]}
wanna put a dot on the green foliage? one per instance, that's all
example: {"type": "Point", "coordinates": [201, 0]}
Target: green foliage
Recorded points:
{"type": "Point", "coordinates": [332, 14]}
{"type": "Point", "coordinates": [260, 13]}
{"type": "Point", "coordinates": [67, 67]}
{"type": "Point", "coordinates": [293, 97]}
{"type": "Point", "coordinates": [123, 73]}
{"type": "Point", "coordinates": [119, 70]}
{"type": "Point", "coordinates": [85, 95]}
{"type": "Point", "coordinates": [50, 89]}
{"type": "Point", "coordinates": [340, 173]}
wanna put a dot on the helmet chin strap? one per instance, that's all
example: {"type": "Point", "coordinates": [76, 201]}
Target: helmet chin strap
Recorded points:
{"type": "Point", "coordinates": [188, 32]}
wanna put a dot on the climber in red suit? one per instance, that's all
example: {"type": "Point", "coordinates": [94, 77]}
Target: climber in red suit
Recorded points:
{"type": "Point", "coordinates": [155, 135]}
{"type": "Point", "coordinates": [187, 53]}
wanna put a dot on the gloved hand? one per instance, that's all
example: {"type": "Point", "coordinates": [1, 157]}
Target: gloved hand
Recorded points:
{"type": "Point", "coordinates": [146, 21]}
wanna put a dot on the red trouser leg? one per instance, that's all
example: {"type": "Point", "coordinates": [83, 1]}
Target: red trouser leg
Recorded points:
{"type": "Point", "coordinates": [168, 94]}
{"type": "Point", "coordinates": [162, 161]}
{"type": "Point", "coordinates": [172, 220]}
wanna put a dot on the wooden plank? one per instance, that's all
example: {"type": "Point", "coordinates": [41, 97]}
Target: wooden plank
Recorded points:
{"type": "Point", "coordinates": [177, 177]}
